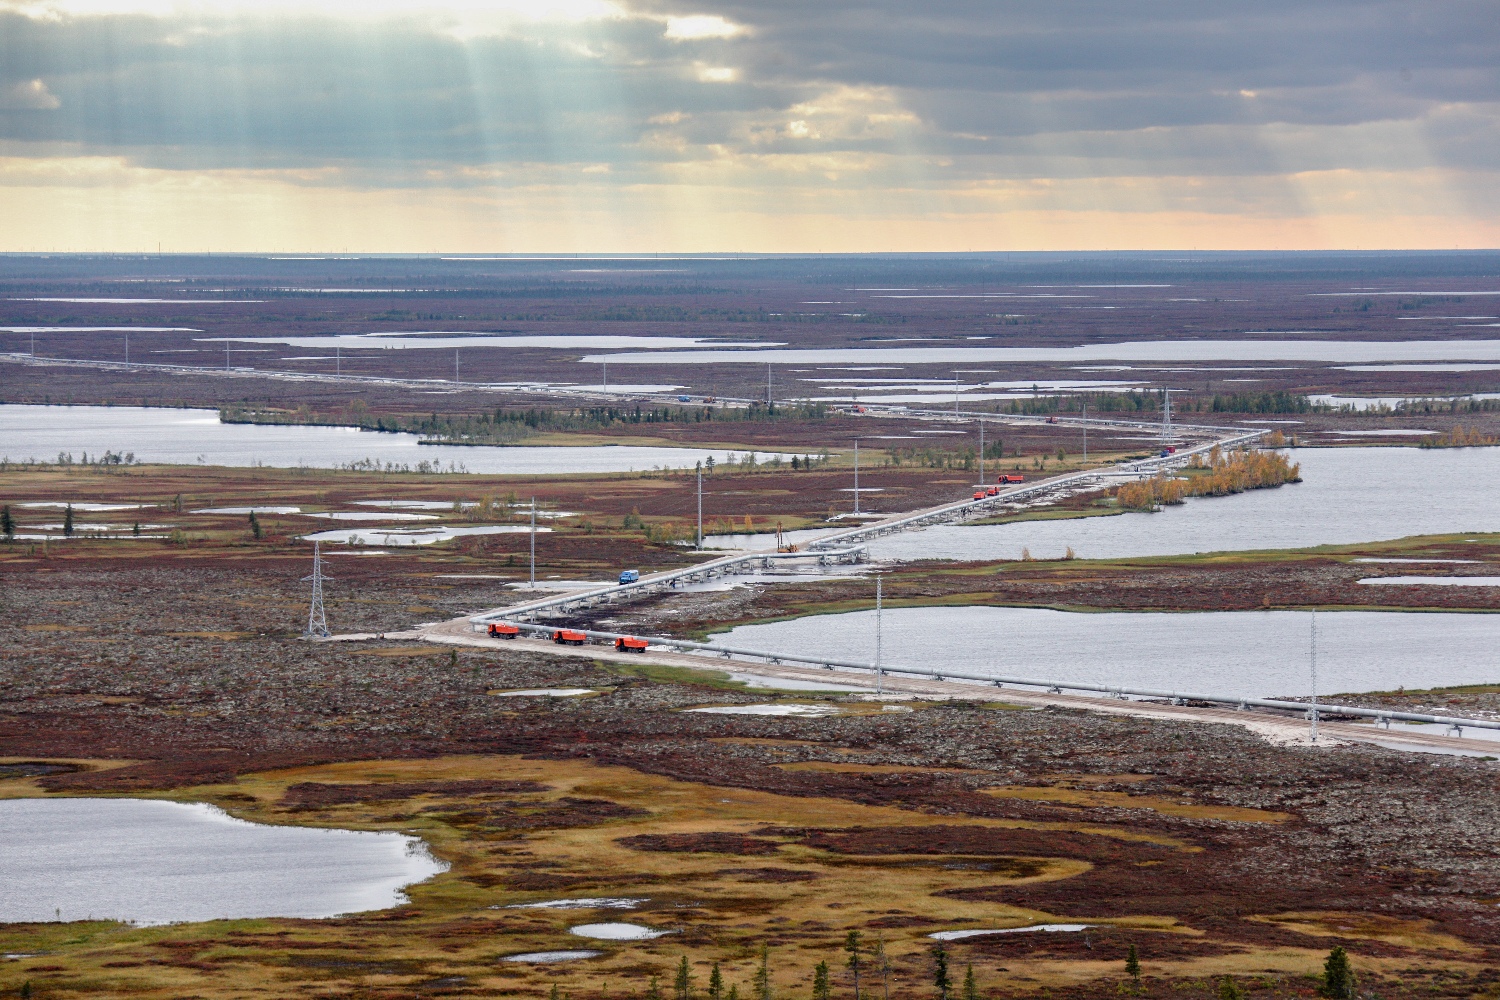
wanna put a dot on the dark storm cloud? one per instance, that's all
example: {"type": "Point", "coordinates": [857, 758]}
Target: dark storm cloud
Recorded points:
{"type": "Point", "coordinates": [1095, 86]}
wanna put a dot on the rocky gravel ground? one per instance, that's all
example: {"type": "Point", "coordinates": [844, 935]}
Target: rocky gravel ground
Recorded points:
{"type": "Point", "coordinates": [195, 672]}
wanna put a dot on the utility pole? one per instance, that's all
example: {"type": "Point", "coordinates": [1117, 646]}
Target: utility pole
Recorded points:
{"type": "Point", "coordinates": [856, 477]}
{"type": "Point", "coordinates": [700, 507]}
{"type": "Point", "coordinates": [533, 543]}
{"type": "Point", "coordinates": [338, 360]}
{"type": "Point", "coordinates": [606, 376]}
{"type": "Point", "coordinates": [955, 394]}
{"type": "Point", "coordinates": [1313, 661]}
{"type": "Point", "coordinates": [127, 355]}
{"type": "Point", "coordinates": [455, 366]}
{"type": "Point", "coordinates": [33, 343]}
{"type": "Point", "coordinates": [769, 401]}
{"type": "Point", "coordinates": [317, 624]}
{"type": "Point", "coordinates": [879, 674]}
{"type": "Point", "coordinates": [1166, 417]}
{"type": "Point", "coordinates": [981, 451]}
{"type": "Point", "coordinates": [1085, 434]}
{"type": "Point", "coordinates": [226, 363]}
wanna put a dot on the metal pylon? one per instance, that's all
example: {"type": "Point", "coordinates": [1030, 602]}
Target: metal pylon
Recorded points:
{"type": "Point", "coordinates": [317, 624]}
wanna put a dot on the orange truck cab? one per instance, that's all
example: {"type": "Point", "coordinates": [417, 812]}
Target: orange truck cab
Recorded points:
{"type": "Point", "coordinates": [569, 637]}
{"type": "Point", "coordinates": [503, 630]}
{"type": "Point", "coordinates": [630, 644]}
{"type": "Point", "coordinates": [1006, 477]}
{"type": "Point", "coordinates": [979, 494]}
{"type": "Point", "coordinates": [993, 491]}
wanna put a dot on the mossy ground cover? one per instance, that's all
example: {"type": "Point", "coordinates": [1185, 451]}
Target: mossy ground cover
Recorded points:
{"type": "Point", "coordinates": [721, 870]}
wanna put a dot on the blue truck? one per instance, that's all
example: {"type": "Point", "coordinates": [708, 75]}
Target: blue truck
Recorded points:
{"type": "Point", "coordinates": [629, 576]}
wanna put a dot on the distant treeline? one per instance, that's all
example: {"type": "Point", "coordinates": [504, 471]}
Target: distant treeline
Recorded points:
{"type": "Point", "coordinates": [505, 426]}
{"type": "Point", "coordinates": [1137, 401]}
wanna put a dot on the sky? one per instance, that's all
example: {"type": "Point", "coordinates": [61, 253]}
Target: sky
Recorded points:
{"type": "Point", "coordinates": [748, 126]}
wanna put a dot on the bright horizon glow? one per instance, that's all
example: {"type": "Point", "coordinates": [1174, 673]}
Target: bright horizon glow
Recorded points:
{"type": "Point", "coordinates": [628, 126]}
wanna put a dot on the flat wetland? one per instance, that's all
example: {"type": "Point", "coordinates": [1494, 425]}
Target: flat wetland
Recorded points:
{"type": "Point", "coordinates": [170, 668]}
{"type": "Point", "coordinates": [164, 662]}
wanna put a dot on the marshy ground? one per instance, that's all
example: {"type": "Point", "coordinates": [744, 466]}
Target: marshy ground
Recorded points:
{"type": "Point", "coordinates": [172, 669]}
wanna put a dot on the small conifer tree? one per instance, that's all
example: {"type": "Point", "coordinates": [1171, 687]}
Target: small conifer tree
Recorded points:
{"type": "Point", "coordinates": [762, 981]}
{"type": "Point", "coordinates": [68, 520]}
{"type": "Point", "coordinates": [1230, 990]}
{"type": "Point", "coordinates": [940, 978]}
{"type": "Point", "coordinates": [1338, 976]}
{"type": "Point", "coordinates": [734, 991]}
{"type": "Point", "coordinates": [682, 984]}
{"type": "Point", "coordinates": [851, 945]}
{"type": "Point", "coordinates": [715, 983]}
{"type": "Point", "coordinates": [1133, 963]}
{"type": "Point", "coordinates": [255, 528]}
{"type": "Point", "coordinates": [821, 990]}
{"type": "Point", "coordinates": [7, 524]}
{"type": "Point", "coordinates": [653, 992]}
{"type": "Point", "coordinates": [971, 988]}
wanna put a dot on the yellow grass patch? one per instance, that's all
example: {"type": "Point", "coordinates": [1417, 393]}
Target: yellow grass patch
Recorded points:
{"type": "Point", "coordinates": [855, 768]}
{"type": "Point", "coordinates": [1416, 934]}
{"type": "Point", "coordinates": [1124, 800]}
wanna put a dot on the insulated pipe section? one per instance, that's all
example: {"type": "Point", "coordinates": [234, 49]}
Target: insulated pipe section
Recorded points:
{"type": "Point", "coordinates": [1032, 489]}
{"type": "Point", "coordinates": [1056, 687]}
{"type": "Point", "coordinates": [646, 585]}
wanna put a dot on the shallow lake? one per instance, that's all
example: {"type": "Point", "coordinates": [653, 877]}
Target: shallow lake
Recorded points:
{"type": "Point", "coordinates": [1326, 351]}
{"type": "Point", "coordinates": [151, 862]}
{"type": "Point", "coordinates": [1251, 653]}
{"type": "Point", "coordinates": [1347, 495]}
{"type": "Point", "coordinates": [196, 437]}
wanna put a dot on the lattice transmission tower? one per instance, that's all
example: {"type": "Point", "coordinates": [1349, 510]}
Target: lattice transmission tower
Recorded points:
{"type": "Point", "coordinates": [317, 624]}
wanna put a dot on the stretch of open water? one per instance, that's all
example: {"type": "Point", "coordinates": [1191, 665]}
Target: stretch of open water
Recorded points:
{"type": "Point", "coordinates": [1240, 653]}
{"type": "Point", "coordinates": [1347, 495]}
{"type": "Point", "coordinates": [150, 862]}
{"type": "Point", "coordinates": [196, 437]}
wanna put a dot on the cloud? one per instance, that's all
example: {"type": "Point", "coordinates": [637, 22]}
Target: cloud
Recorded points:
{"type": "Point", "coordinates": [28, 95]}
{"type": "Point", "coordinates": [887, 104]}
{"type": "Point", "coordinates": [698, 26]}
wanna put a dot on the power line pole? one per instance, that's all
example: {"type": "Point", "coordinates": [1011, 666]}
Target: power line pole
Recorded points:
{"type": "Point", "coordinates": [338, 360]}
{"type": "Point", "coordinates": [1313, 662]}
{"type": "Point", "coordinates": [769, 401]}
{"type": "Point", "coordinates": [127, 352]}
{"type": "Point", "coordinates": [1085, 434]}
{"type": "Point", "coordinates": [606, 376]}
{"type": "Point", "coordinates": [700, 507]}
{"type": "Point", "coordinates": [317, 623]}
{"type": "Point", "coordinates": [981, 451]}
{"type": "Point", "coordinates": [879, 673]}
{"type": "Point", "coordinates": [856, 477]}
{"type": "Point", "coordinates": [533, 543]}
{"type": "Point", "coordinates": [455, 366]}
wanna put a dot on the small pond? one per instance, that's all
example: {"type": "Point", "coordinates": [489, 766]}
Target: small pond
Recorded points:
{"type": "Point", "coordinates": [151, 862]}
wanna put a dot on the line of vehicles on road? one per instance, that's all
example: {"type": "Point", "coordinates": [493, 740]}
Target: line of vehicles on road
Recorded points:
{"type": "Point", "coordinates": [568, 637]}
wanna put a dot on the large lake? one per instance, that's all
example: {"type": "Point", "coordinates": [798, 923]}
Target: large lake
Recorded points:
{"type": "Point", "coordinates": [150, 862]}
{"type": "Point", "coordinates": [196, 437]}
{"type": "Point", "coordinates": [1347, 495]}
{"type": "Point", "coordinates": [1250, 653]}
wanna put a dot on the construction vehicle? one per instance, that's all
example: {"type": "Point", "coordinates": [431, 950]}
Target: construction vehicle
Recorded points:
{"type": "Point", "coordinates": [629, 576]}
{"type": "Point", "coordinates": [630, 644]}
{"type": "Point", "coordinates": [503, 630]}
{"type": "Point", "coordinates": [979, 494]}
{"type": "Point", "coordinates": [569, 637]}
{"type": "Point", "coordinates": [992, 491]}
{"type": "Point", "coordinates": [1007, 477]}
{"type": "Point", "coordinates": [781, 543]}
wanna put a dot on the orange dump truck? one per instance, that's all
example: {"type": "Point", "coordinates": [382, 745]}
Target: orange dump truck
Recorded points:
{"type": "Point", "coordinates": [503, 630]}
{"type": "Point", "coordinates": [630, 644]}
{"type": "Point", "coordinates": [569, 637]}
